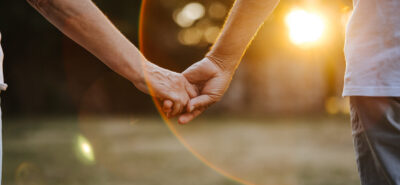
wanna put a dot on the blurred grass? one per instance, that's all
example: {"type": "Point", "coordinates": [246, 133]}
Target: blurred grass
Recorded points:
{"type": "Point", "coordinates": [141, 150]}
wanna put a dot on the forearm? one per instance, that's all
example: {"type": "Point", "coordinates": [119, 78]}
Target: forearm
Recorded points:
{"type": "Point", "coordinates": [244, 20]}
{"type": "Point", "coordinates": [84, 23]}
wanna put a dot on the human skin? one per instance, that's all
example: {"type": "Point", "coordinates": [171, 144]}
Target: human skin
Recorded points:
{"type": "Point", "coordinates": [84, 23]}
{"type": "Point", "coordinates": [1, 50]}
{"type": "Point", "coordinates": [213, 74]}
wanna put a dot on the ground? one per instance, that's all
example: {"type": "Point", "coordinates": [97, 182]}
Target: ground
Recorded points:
{"type": "Point", "coordinates": [142, 150]}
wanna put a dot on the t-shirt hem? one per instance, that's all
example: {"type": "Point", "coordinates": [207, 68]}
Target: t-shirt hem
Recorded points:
{"type": "Point", "coordinates": [372, 91]}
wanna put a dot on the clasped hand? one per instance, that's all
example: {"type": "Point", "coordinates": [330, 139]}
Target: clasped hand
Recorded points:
{"type": "Point", "coordinates": [188, 94]}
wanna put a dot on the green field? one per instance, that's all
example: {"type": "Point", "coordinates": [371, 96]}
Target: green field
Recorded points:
{"type": "Point", "coordinates": [143, 151]}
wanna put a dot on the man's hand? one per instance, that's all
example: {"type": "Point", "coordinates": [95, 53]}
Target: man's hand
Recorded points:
{"type": "Point", "coordinates": [166, 85]}
{"type": "Point", "coordinates": [211, 79]}
{"type": "Point", "coordinates": [213, 74]}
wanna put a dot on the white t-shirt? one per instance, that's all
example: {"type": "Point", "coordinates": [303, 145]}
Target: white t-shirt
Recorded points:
{"type": "Point", "coordinates": [372, 49]}
{"type": "Point", "coordinates": [3, 86]}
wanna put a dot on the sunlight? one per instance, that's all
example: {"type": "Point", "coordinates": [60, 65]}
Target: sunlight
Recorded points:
{"type": "Point", "coordinates": [304, 27]}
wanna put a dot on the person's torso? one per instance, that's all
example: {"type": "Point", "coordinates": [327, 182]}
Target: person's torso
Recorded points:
{"type": "Point", "coordinates": [2, 85]}
{"type": "Point", "coordinates": [372, 48]}
{"type": "Point", "coordinates": [1, 51]}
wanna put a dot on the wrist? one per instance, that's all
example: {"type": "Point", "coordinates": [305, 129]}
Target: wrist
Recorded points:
{"type": "Point", "coordinates": [225, 64]}
{"type": "Point", "coordinates": [136, 74]}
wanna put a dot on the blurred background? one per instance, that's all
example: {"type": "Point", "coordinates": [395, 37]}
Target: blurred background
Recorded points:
{"type": "Point", "coordinates": [68, 119]}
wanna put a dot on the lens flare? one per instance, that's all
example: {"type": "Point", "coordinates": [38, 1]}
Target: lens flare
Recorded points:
{"type": "Point", "coordinates": [168, 122]}
{"type": "Point", "coordinates": [85, 151]}
{"type": "Point", "coordinates": [304, 27]}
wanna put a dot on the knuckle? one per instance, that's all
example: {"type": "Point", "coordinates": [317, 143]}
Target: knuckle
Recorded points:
{"type": "Point", "coordinates": [177, 79]}
{"type": "Point", "coordinates": [215, 98]}
{"type": "Point", "coordinates": [175, 97]}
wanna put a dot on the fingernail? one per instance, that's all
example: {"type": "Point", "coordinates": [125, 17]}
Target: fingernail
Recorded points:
{"type": "Point", "coordinates": [182, 121]}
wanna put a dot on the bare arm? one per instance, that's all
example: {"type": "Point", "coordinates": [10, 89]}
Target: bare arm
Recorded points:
{"type": "Point", "coordinates": [213, 74]}
{"type": "Point", "coordinates": [84, 23]}
{"type": "Point", "coordinates": [245, 18]}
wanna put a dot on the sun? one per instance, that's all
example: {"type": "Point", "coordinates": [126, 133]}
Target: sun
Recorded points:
{"type": "Point", "coordinates": [304, 27]}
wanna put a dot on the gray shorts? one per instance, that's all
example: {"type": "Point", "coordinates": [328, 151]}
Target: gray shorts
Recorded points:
{"type": "Point", "coordinates": [376, 132]}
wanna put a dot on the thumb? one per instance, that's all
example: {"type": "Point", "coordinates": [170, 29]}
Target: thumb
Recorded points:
{"type": "Point", "coordinates": [191, 89]}
{"type": "Point", "coordinates": [188, 117]}
{"type": "Point", "coordinates": [198, 72]}
{"type": "Point", "coordinates": [201, 101]}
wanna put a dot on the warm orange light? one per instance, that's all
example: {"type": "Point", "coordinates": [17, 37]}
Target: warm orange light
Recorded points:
{"type": "Point", "coordinates": [304, 27]}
